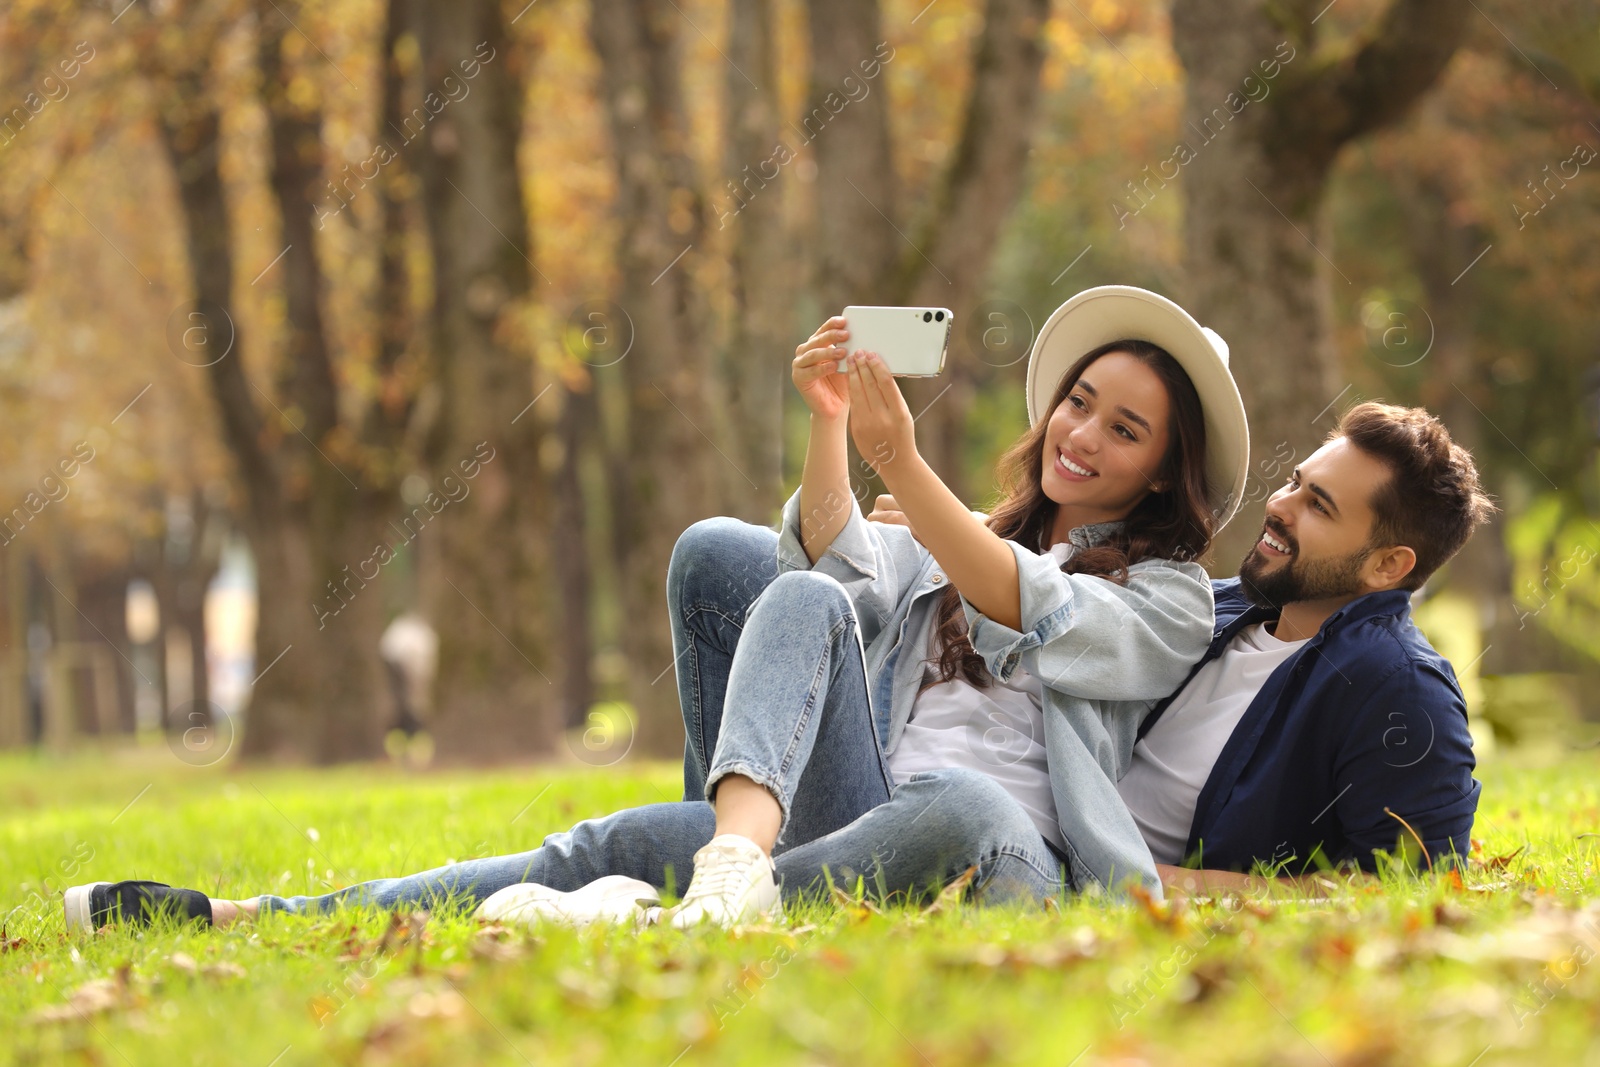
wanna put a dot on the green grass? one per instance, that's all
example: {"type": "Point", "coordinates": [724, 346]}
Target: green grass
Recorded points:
{"type": "Point", "coordinates": [1418, 971]}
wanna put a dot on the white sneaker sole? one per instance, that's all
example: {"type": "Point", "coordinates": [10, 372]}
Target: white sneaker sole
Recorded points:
{"type": "Point", "coordinates": [77, 905]}
{"type": "Point", "coordinates": [767, 906]}
{"type": "Point", "coordinates": [614, 898]}
{"type": "Point", "coordinates": [678, 920]}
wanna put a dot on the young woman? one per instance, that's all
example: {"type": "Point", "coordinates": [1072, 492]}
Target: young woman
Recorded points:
{"type": "Point", "coordinates": [824, 754]}
{"type": "Point", "coordinates": [1061, 750]}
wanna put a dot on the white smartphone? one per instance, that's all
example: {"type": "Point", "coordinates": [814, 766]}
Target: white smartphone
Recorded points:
{"type": "Point", "coordinates": [912, 341]}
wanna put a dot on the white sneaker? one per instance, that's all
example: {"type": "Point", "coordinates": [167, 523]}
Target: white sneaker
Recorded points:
{"type": "Point", "coordinates": [733, 883]}
{"type": "Point", "coordinates": [614, 898]}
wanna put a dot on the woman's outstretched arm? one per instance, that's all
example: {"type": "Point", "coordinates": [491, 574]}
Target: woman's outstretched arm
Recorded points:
{"type": "Point", "coordinates": [978, 561]}
{"type": "Point", "coordinates": [980, 564]}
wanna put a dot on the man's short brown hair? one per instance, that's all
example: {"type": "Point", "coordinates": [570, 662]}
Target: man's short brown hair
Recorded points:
{"type": "Point", "coordinates": [1432, 501]}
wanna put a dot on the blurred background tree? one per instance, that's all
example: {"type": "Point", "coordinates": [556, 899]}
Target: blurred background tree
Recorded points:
{"type": "Point", "coordinates": [345, 311]}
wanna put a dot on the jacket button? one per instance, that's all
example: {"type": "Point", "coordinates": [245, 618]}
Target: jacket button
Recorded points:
{"type": "Point", "coordinates": [937, 578]}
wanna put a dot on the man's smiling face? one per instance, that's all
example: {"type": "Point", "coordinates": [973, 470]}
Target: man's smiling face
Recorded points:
{"type": "Point", "coordinates": [1315, 539]}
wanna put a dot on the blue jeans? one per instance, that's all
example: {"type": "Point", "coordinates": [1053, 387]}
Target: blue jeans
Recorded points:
{"type": "Point", "coordinates": [772, 680]}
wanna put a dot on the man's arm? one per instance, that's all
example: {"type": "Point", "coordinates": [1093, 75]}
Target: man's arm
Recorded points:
{"type": "Point", "coordinates": [1186, 881]}
{"type": "Point", "coordinates": [1405, 770]}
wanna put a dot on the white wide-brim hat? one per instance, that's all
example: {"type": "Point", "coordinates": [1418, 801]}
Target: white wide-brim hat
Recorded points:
{"type": "Point", "coordinates": [1123, 312]}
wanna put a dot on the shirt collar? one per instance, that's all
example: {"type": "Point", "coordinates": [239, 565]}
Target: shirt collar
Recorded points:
{"type": "Point", "coordinates": [1092, 533]}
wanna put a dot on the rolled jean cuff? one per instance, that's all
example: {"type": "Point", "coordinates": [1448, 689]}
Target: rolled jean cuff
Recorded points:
{"type": "Point", "coordinates": [761, 776]}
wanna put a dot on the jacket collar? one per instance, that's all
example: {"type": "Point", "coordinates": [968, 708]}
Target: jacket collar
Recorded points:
{"type": "Point", "coordinates": [1390, 602]}
{"type": "Point", "coordinates": [1395, 602]}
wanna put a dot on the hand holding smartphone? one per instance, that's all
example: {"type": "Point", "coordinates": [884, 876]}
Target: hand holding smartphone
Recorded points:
{"type": "Point", "coordinates": [912, 341]}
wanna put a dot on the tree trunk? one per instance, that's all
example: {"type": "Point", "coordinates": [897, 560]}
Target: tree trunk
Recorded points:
{"type": "Point", "coordinates": [572, 544]}
{"type": "Point", "coordinates": [498, 688]}
{"type": "Point", "coordinates": [102, 598]}
{"type": "Point", "coordinates": [404, 412]}
{"type": "Point", "coordinates": [862, 258]}
{"type": "Point", "coordinates": [857, 193]}
{"type": "Point", "coordinates": [1254, 174]}
{"type": "Point", "coordinates": [671, 466]}
{"type": "Point", "coordinates": [762, 262]}
{"type": "Point", "coordinates": [855, 245]}
{"type": "Point", "coordinates": [961, 226]}
{"type": "Point", "coordinates": [339, 518]}
{"type": "Point", "coordinates": [309, 524]}
{"type": "Point", "coordinates": [180, 567]}
{"type": "Point", "coordinates": [190, 132]}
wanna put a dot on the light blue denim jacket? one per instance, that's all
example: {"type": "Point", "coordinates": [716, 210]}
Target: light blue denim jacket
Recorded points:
{"type": "Point", "coordinates": [1106, 654]}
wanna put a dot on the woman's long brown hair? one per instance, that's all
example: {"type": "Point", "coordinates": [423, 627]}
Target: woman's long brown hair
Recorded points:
{"type": "Point", "coordinates": [1174, 524]}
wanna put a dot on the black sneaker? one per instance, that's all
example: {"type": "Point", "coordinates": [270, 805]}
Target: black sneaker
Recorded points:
{"type": "Point", "coordinates": [89, 907]}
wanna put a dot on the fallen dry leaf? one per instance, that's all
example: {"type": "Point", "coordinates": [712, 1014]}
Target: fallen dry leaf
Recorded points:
{"type": "Point", "coordinates": [494, 949]}
{"type": "Point", "coordinates": [951, 895]}
{"type": "Point", "coordinates": [1082, 944]}
{"type": "Point", "coordinates": [856, 910]}
{"type": "Point", "coordinates": [835, 960]}
{"type": "Point", "coordinates": [1165, 913]}
{"type": "Point", "coordinates": [89, 999]}
{"type": "Point", "coordinates": [1499, 863]}
{"type": "Point", "coordinates": [445, 1004]}
{"type": "Point", "coordinates": [1204, 981]}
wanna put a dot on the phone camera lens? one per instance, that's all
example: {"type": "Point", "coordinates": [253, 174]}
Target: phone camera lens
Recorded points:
{"type": "Point", "coordinates": [938, 316]}
{"type": "Point", "coordinates": [927, 316]}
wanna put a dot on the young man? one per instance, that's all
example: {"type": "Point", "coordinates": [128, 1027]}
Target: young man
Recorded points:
{"type": "Point", "coordinates": [1321, 727]}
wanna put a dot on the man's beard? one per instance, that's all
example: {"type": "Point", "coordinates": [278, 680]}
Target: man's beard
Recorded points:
{"type": "Point", "coordinates": [1297, 579]}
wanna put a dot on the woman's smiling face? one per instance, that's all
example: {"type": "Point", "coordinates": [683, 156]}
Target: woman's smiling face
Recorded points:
{"type": "Point", "coordinates": [1105, 442]}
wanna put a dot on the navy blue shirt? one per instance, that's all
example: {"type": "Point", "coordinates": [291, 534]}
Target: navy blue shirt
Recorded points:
{"type": "Point", "coordinates": [1365, 716]}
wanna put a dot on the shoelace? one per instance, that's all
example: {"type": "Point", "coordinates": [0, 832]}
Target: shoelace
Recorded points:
{"type": "Point", "coordinates": [724, 869]}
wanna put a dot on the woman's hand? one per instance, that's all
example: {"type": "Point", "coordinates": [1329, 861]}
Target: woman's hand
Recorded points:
{"type": "Point", "coordinates": [816, 374]}
{"type": "Point", "coordinates": [880, 422]}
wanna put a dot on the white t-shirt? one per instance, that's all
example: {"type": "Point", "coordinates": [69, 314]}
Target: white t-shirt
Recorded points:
{"type": "Point", "coordinates": [999, 731]}
{"type": "Point", "coordinates": [1172, 762]}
